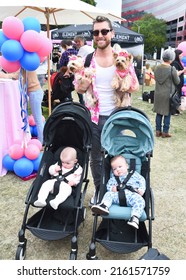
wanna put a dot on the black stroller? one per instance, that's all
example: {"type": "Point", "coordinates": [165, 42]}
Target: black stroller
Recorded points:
{"type": "Point", "coordinates": [127, 132]}
{"type": "Point", "coordinates": [68, 125]}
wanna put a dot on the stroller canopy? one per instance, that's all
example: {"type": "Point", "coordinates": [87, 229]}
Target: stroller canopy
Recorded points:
{"type": "Point", "coordinates": [128, 130]}
{"type": "Point", "coordinates": [69, 123]}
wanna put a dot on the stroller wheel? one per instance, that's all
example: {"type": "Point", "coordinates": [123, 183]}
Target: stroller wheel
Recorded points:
{"type": "Point", "coordinates": [73, 256]}
{"type": "Point", "coordinates": [20, 253]}
{"type": "Point", "coordinates": [84, 213]}
{"type": "Point", "coordinates": [89, 257]}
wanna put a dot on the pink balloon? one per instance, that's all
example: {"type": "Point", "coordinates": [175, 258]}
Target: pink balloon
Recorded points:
{"type": "Point", "coordinates": [35, 142]}
{"type": "Point", "coordinates": [31, 41]}
{"type": "Point", "coordinates": [18, 141]}
{"type": "Point", "coordinates": [184, 89]}
{"type": "Point", "coordinates": [46, 47]}
{"type": "Point", "coordinates": [42, 59]}
{"type": "Point", "coordinates": [16, 151]}
{"type": "Point", "coordinates": [32, 151]}
{"type": "Point", "coordinates": [10, 66]}
{"type": "Point", "coordinates": [182, 46]}
{"type": "Point", "coordinates": [13, 27]}
{"type": "Point", "coordinates": [31, 120]}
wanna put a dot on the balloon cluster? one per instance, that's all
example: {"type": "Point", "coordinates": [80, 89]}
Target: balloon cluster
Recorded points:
{"type": "Point", "coordinates": [182, 47]}
{"type": "Point", "coordinates": [23, 160]}
{"type": "Point", "coordinates": [32, 125]}
{"type": "Point", "coordinates": [22, 44]}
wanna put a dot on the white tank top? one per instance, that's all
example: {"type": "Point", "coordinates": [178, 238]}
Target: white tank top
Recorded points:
{"type": "Point", "coordinates": [103, 81]}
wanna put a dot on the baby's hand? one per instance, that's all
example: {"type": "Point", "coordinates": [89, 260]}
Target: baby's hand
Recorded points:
{"type": "Point", "coordinates": [57, 168]}
{"type": "Point", "coordinates": [114, 189]}
{"type": "Point", "coordinates": [71, 183]}
{"type": "Point", "coordinates": [140, 192]}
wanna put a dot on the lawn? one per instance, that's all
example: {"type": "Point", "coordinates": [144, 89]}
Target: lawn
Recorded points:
{"type": "Point", "coordinates": [168, 179]}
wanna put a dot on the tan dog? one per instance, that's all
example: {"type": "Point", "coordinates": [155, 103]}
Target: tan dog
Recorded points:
{"type": "Point", "coordinates": [75, 64]}
{"type": "Point", "coordinates": [124, 81]}
{"type": "Point", "coordinates": [90, 99]}
{"type": "Point", "coordinates": [83, 79]}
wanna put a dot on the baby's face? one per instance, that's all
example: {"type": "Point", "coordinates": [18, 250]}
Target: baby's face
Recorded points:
{"type": "Point", "coordinates": [68, 162]}
{"type": "Point", "coordinates": [119, 167]}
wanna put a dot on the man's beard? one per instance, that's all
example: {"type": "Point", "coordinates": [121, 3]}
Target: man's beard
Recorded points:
{"type": "Point", "coordinates": [102, 47]}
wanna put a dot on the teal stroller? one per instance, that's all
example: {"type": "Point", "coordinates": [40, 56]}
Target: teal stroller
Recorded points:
{"type": "Point", "coordinates": [127, 132]}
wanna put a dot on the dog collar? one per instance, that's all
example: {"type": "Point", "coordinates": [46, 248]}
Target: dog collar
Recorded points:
{"type": "Point", "coordinates": [122, 74]}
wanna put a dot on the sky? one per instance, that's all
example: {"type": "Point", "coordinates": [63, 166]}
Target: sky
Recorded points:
{"type": "Point", "coordinates": [113, 6]}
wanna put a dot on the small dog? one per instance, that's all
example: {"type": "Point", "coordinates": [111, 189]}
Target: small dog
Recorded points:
{"type": "Point", "coordinates": [125, 80]}
{"type": "Point", "coordinates": [83, 82]}
{"type": "Point", "coordinates": [90, 99]}
{"type": "Point", "coordinates": [75, 64]}
{"type": "Point", "coordinates": [82, 79]}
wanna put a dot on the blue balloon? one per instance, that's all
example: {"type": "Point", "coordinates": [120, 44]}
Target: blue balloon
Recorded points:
{"type": "Point", "coordinates": [8, 163]}
{"type": "Point", "coordinates": [35, 133]}
{"type": "Point", "coordinates": [31, 23]}
{"type": "Point", "coordinates": [3, 38]}
{"type": "Point", "coordinates": [23, 167]}
{"type": "Point", "coordinates": [184, 60]}
{"type": "Point", "coordinates": [30, 61]}
{"type": "Point", "coordinates": [184, 79]}
{"type": "Point", "coordinates": [12, 50]}
{"type": "Point", "coordinates": [31, 130]}
{"type": "Point", "coordinates": [36, 162]}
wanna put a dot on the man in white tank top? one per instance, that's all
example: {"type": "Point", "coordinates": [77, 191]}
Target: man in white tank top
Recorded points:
{"type": "Point", "coordinates": [105, 69]}
{"type": "Point", "coordinates": [103, 63]}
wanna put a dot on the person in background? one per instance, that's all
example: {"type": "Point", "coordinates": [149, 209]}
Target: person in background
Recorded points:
{"type": "Point", "coordinates": [35, 94]}
{"type": "Point", "coordinates": [68, 51]}
{"type": "Point", "coordinates": [82, 47]}
{"type": "Point", "coordinates": [83, 50]}
{"type": "Point", "coordinates": [166, 81]}
{"type": "Point", "coordinates": [42, 71]}
{"type": "Point", "coordinates": [62, 86]}
{"type": "Point", "coordinates": [13, 76]}
{"type": "Point", "coordinates": [149, 75]}
{"type": "Point", "coordinates": [180, 68]}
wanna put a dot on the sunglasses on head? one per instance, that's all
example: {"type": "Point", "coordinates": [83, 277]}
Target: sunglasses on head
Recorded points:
{"type": "Point", "coordinates": [103, 32]}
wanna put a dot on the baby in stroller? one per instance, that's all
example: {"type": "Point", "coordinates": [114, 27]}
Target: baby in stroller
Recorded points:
{"type": "Point", "coordinates": [64, 175]}
{"type": "Point", "coordinates": [123, 188]}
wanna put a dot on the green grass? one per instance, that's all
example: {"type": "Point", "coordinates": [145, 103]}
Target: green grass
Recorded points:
{"type": "Point", "coordinates": [45, 112]}
{"type": "Point", "coordinates": [167, 180]}
{"type": "Point", "coordinates": [177, 122]}
{"type": "Point", "coordinates": [177, 125]}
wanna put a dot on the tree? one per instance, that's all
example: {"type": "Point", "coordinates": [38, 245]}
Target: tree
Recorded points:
{"type": "Point", "coordinates": [91, 2]}
{"type": "Point", "coordinates": [154, 31]}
